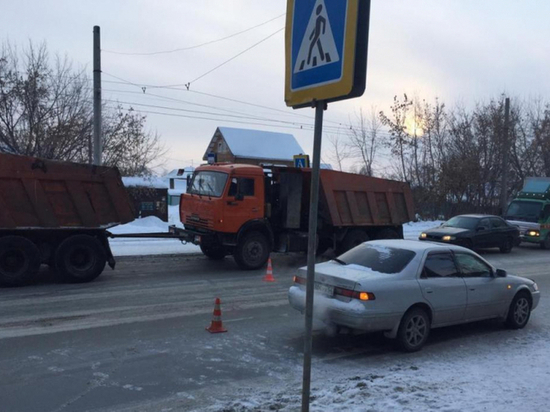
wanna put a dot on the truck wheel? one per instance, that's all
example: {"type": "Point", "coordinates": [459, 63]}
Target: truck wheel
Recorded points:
{"type": "Point", "coordinates": [214, 251]}
{"type": "Point", "coordinates": [252, 251]}
{"type": "Point", "coordinates": [387, 234]}
{"type": "Point", "coordinates": [80, 258]}
{"type": "Point", "coordinates": [19, 261]}
{"type": "Point", "coordinates": [545, 244]}
{"type": "Point", "coordinates": [353, 238]}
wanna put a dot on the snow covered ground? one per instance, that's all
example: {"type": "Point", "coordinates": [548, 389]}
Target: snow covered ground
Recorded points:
{"type": "Point", "coordinates": [510, 376]}
{"type": "Point", "coordinates": [152, 224]}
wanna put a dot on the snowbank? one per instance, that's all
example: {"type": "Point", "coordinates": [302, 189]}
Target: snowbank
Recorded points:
{"type": "Point", "coordinates": [152, 224]}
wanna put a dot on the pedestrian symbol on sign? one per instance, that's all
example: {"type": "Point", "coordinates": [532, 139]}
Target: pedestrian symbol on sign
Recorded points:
{"type": "Point", "coordinates": [318, 47]}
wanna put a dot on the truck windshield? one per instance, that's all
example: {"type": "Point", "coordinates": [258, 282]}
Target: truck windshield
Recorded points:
{"type": "Point", "coordinates": [377, 258]}
{"type": "Point", "coordinates": [461, 222]}
{"type": "Point", "coordinates": [207, 183]}
{"type": "Point", "coordinates": [522, 210]}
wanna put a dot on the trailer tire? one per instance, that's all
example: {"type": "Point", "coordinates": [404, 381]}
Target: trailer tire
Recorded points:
{"type": "Point", "coordinates": [19, 261]}
{"type": "Point", "coordinates": [353, 238]}
{"type": "Point", "coordinates": [214, 251]}
{"type": "Point", "coordinates": [252, 251]}
{"type": "Point", "coordinates": [80, 258]}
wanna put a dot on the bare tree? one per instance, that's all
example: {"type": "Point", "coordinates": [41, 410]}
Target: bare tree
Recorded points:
{"type": "Point", "coordinates": [399, 137]}
{"type": "Point", "coordinates": [46, 111]}
{"type": "Point", "coordinates": [338, 150]}
{"type": "Point", "coordinates": [364, 140]}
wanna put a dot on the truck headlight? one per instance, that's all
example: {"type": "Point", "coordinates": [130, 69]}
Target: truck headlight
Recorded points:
{"type": "Point", "coordinates": [446, 238]}
{"type": "Point", "coordinates": [533, 233]}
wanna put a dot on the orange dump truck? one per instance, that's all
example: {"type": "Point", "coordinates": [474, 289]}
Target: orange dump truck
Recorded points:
{"type": "Point", "coordinates": [57, 213]}
{"type": "Point", "coordinates": [249, 211]}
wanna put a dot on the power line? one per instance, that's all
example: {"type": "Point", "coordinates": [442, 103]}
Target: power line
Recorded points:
{"type": "Point", "coordinates": [196, 46]}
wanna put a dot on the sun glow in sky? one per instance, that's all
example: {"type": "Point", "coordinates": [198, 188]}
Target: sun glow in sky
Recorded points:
{"type": "Point", "coordinates": [414, 125]}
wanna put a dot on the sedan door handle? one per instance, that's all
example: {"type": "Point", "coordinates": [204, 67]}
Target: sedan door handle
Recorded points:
{"type": "Point", "coordinates": [428, 290]}
{"type": "Point", "coordinates": [472, 288]}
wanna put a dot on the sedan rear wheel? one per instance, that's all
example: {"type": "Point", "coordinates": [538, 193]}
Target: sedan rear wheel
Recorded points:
{"type": "Point", "coordinates": [414, 330]}
{"type": "Point", "coordinates": [519, 312]}
{"type": "Point", "coordinates": [507, 246]}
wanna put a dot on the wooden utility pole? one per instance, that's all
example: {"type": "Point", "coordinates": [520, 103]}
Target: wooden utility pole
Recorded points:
{"type": "Point", "coordinates": [505, 152]}
{"type": "Point", "coordinates": [97, 145]}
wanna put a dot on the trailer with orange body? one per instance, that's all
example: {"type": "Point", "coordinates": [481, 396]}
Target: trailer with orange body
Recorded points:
{"type": "Point", "coordinates": [57, 213]}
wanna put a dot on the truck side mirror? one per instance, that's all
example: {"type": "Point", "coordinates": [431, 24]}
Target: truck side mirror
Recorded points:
{"type": "Point", "coordinates": [239, 196]}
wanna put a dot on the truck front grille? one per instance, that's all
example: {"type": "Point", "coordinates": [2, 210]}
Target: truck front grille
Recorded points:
{"type": "Point", "coordinates": [196, 220]}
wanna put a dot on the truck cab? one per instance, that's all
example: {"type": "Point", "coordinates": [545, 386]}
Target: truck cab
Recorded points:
{"type": "Point", "coordinates": [530, 211]}
{"type": "Point", "coordinates": [224, 204]}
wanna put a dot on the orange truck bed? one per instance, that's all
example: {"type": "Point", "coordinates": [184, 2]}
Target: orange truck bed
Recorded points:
{"type": "Point", "coordinates": [38, 193]}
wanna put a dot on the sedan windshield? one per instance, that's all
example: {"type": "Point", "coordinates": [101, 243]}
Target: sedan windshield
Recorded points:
{"type": "Point", "coordinates": [461, 222]}
{"type": "Point", "coordinates": [378, 258]}
{"type": "Point", "coordinates": [208, 183]}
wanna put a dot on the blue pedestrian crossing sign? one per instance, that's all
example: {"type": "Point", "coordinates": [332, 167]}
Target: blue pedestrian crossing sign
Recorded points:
{"type": "Point", "coordinates": [326, 50]}
{"type": "Point", "coordinates": [301, 160]}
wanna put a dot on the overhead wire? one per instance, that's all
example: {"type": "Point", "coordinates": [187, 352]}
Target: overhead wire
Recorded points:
{"type": "Point", "coordinates": [195, 46]}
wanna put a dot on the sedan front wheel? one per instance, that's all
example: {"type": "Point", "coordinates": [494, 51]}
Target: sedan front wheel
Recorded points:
{"type": "Point", "coordinates": [519, 312]}
{"type": "Point", "coordinates": [414, 330]}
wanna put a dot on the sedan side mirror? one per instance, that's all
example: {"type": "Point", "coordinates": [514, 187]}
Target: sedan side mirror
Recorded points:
{"type": "Point", "coordinates": [501, 273]}
{"type": "Point", "coordinates": [480, 228]}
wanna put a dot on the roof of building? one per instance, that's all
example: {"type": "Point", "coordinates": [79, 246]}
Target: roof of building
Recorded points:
{"type": "Point", "coordinates": [258, 144]}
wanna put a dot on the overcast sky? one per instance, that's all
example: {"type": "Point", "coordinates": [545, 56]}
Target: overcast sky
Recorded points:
{"type": "Point", "coordinates": [460, 51]}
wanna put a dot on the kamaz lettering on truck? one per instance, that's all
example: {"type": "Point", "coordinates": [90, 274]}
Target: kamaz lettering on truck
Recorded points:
{"type": "Point", "coordinates": [248, 211]}
{"type": "Point", "coordinates": [530, 211]}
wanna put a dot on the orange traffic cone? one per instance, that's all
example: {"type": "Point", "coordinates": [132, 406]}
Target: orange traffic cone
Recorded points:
{"type": "Point", "coordinates": [216, 325]}
{"type": "Point", "coordinates": [269, 274]}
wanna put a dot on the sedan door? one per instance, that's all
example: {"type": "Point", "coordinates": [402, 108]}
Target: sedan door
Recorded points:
{"type": "Point", "coordinates": [444, 288]}
{"type": "Point", "coordinates": [483, 234]}
{"type": "Point", "coordinates": [487, 297]}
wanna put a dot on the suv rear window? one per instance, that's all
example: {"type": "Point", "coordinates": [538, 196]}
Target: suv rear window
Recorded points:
{"type": "Point", "coordinates": [378, 258]}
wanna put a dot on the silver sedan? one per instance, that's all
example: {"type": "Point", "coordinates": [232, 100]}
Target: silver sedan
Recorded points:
{"type": "Point", "coordinates": [405, 288]}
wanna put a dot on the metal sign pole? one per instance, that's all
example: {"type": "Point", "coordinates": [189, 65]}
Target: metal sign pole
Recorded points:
{"type": "Point", "coordinates": [320, 106]}
{"type": "Point", "coordinates": [97, 146]}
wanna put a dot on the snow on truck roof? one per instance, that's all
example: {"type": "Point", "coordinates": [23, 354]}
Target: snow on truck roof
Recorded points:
{"type": "Point", "coordinates": [259, 144]}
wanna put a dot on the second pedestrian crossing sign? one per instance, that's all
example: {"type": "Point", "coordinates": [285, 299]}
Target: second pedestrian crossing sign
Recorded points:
{"type": "Point", "coordinates": [326, 50]}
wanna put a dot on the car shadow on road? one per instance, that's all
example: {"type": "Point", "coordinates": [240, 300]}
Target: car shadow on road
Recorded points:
{"type": "Point", "coordinates": [351, 346]}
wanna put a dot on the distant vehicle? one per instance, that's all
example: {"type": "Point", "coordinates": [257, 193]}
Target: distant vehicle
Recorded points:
{"type": "Point", "coordinates": [530, 211]}
{"type": "Point", "coordinates": [250, 211]}
{"type": "Point", "coordinates": [405, 288]}
{"type": "Point", "coordinates": [475, 231]}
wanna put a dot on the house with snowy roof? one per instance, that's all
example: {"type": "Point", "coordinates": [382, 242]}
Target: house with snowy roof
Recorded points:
{"type": "Point", "coordinates": [253, 147]}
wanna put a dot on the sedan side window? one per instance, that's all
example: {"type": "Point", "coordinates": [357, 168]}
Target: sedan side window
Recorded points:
{"type": "Point", "coordinates": [497, 222]}
{"type": "Point", "coordinates": [484, 223]}
{"type": "Point", "coordinates": [472, 267]}
{"type": "Point", "coordinates": [439, 265]}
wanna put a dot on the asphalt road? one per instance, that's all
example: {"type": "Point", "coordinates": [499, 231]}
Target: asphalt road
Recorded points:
{"type": "Point", "coordinates": [135, 339]}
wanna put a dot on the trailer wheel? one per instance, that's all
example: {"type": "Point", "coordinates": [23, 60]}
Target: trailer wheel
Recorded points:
{"type": "Point", "coordinates": [353, 238]}
{"type": "Point", "coordinates": [19, 261]}
{"type": "Point", "coordinates": [214, 251]}
{"type": "Point", "coordinates": [80, 258]}
{"type": "Point", "coordinates": [387, 234]}
{"type": "Point", "coordinates": [252, 251]}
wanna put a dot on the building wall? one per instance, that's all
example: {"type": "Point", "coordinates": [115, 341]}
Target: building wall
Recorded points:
{"type": "Point", "coordinates": [149, 202]}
